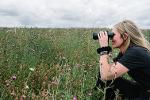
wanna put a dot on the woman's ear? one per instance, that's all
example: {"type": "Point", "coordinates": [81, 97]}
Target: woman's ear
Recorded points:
{"type": "Point", "coordinates": [125, 36]}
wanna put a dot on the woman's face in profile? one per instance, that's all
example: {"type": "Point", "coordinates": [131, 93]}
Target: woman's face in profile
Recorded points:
{"type": "Point", "coordinates": [117, 41]}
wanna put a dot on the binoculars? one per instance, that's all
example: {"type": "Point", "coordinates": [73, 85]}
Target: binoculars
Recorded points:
{"type": "Point", "coordinates": [110, 35]}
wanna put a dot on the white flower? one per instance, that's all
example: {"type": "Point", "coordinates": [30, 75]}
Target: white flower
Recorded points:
{"type": "Point", "coordinates": [31, 69]}
{"type": "Point", "coordinates": [26, 87]}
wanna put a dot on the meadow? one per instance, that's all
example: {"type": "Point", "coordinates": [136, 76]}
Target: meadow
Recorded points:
{"type": "Point", "coordinates": [49, 63]}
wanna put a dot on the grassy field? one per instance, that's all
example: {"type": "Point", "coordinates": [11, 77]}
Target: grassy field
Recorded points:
{"type": "Point", "coordinates": [53, 64]}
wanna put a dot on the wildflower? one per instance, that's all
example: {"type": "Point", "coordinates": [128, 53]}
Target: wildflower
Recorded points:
{"type": "Point", "coordinates": [74, 98]}
{"type": "Point", "coordinates": [26, 87]}
{"type": "Point", "coordinates": [7, 84]}
{"type": "Point", "coordinates": [23, 97]}
{"type": "Point", "coordinates": [13, 77]}
{"type": "Point", "coordinates": [89, 94]}
{"type": "Point", "coordinates": [69, 69]}
{"type": "Point", "coordinates": [13, 93]}
{"type": "Point", "coordinates": [63, 58]}
{"type": "Point", "coordinates": [31, 69]}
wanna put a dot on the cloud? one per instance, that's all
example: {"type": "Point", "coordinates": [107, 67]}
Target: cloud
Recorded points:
{"type": "Point", "coordinates": [73, 13]}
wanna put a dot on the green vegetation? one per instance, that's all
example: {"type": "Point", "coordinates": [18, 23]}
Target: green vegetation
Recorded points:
{"type": "Point", "coordinates": [54, 64]}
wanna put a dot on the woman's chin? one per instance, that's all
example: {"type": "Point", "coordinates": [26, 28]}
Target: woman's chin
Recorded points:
{"type": "Point", "coordinates": [113, 46]}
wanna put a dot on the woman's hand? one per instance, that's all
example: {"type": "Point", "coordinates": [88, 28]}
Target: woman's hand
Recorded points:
{"type": "Point", "coordinates": [103, 38]}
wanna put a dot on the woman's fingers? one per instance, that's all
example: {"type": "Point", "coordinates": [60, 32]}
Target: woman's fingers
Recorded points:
{"type": "Point", "coordinates": [103, 38]}
{"type": "Point", "coordinates": [101, 34]}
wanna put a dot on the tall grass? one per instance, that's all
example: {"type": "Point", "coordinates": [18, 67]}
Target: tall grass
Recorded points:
{"type": "Point", "coordinates": [54, 64]}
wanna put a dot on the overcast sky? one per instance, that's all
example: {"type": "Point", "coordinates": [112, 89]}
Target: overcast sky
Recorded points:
{"type": "Point", "coordinates": [73, 13]}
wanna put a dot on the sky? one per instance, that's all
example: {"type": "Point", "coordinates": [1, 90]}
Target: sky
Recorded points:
{"type": "Point", "coordinates": [73, 13]}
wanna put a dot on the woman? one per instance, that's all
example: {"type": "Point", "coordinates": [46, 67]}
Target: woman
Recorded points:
{"type": "Point", "coordinates": [133, 58]}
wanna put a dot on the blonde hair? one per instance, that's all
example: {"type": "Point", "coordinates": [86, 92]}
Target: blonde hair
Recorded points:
{"type": "Point", "coordinates": [135, 35]}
